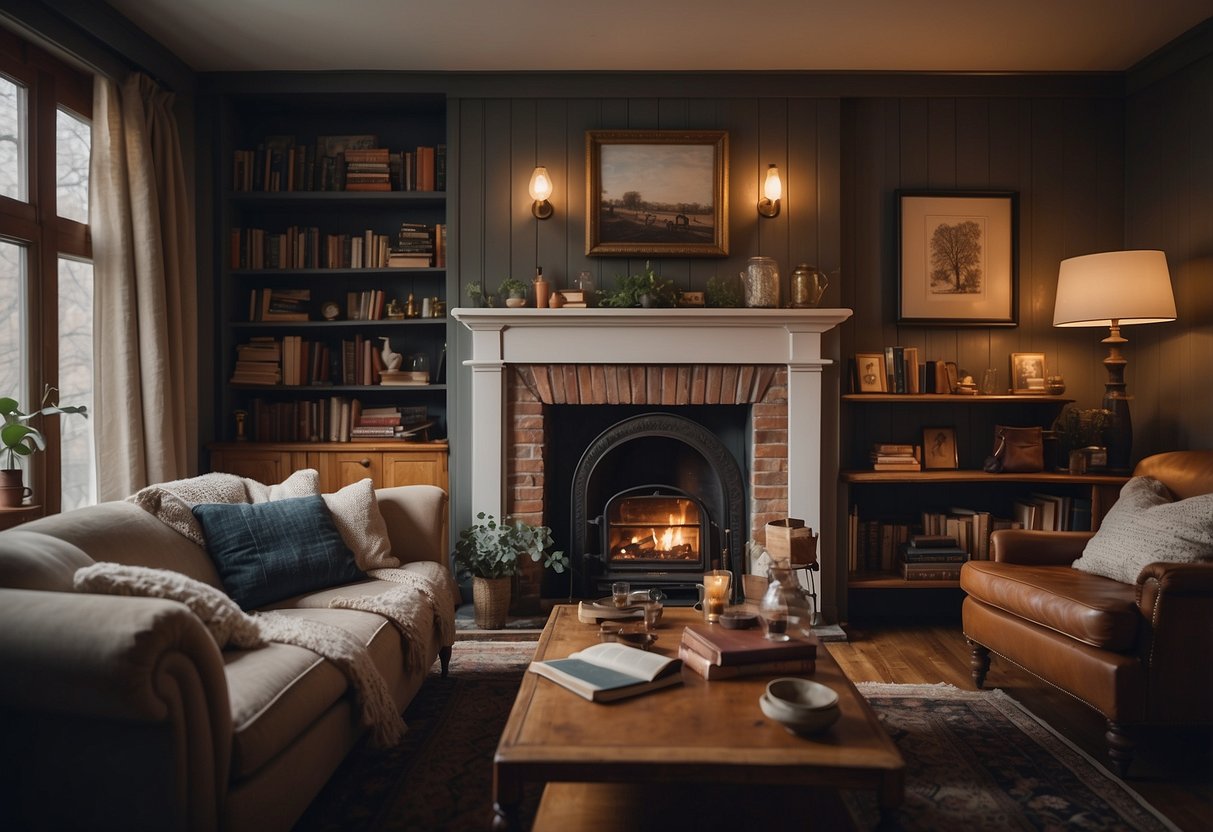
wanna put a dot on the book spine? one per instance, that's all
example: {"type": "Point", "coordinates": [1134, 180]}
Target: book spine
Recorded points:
{"type": "Point", "coordinates": [704, 667]}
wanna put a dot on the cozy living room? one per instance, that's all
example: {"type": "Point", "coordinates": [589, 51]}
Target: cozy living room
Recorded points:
{"type": "Point", "coordinates": [561, 417]}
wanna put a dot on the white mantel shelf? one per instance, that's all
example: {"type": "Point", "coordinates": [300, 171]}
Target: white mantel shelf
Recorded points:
{"type": "Point", "coordinates": [787, 337]}
{"type": "Point", "coordinates": [648, 336]}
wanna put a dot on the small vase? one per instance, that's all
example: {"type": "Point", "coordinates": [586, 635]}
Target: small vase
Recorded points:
{"type": "Point", "coordinates": [13, 490]}
{"type": "Point", "coordinates": [515, 303]}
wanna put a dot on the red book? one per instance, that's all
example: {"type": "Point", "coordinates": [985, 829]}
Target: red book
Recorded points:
{"type": "Point", "coordinates": [727, 648]}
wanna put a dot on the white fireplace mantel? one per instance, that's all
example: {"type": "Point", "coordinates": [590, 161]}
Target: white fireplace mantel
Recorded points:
{"type": "Point", "coordinates": [790, 337]}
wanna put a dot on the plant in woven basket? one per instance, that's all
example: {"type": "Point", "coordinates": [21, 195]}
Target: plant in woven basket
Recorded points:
{"type": "Point", "coordinates": [492, 553]}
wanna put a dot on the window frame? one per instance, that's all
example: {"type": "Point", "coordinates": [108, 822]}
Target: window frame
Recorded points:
{"type": "Point", "coordinates": [50, 85]}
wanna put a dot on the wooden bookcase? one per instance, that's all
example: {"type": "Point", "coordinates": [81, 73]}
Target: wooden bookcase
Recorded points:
{"type": "Point", "coordinates": [898, 496]}
{"type": "Point", "coordinates": [400, 122]}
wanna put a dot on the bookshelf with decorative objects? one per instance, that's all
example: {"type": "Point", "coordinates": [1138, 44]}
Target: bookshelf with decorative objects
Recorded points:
{"type": "Point", "coordinates": [912, 480]}
{"type": "Point", "coordinates": [332, 287]}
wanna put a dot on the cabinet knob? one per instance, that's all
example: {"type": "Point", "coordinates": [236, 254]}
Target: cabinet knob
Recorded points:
{"type": "Point", "coordinates": [365, 463]}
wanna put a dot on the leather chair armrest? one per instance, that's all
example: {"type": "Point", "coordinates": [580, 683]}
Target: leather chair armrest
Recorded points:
{"type": "Point", "coordinates": [1172, 580]}
{"type": "Point", "coordinates": [1037, 548]}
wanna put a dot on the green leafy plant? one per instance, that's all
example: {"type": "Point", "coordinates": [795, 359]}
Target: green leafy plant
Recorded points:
{"type": "Point", "coordinates": [724, 292]}
{"type": "Point", "coordinates": [1079, 428]}
{"type": "Point", "coordinates": [512, 288]}
{"type": "Point", "coordinates": [488, 549]}
{"type": "Point", "coordinates": [17, 436]}
{"type": "Point", "coordinates": [635, 289]}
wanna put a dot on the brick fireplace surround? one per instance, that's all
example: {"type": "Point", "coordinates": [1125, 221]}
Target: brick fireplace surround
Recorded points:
{"type": "Point", "coordinates": [524, 360]}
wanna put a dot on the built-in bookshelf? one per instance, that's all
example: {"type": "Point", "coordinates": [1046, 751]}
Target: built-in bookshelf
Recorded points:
{"type": "Point", "coordinates": [883, 509]}
{"type": "Point", "coordinates": [333, 288]}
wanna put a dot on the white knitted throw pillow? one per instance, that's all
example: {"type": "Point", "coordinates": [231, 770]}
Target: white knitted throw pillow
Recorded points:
{"type": "Point", "coordinates": [1147, 525]}
{"type": "Point", "coordinates": [357, 518]}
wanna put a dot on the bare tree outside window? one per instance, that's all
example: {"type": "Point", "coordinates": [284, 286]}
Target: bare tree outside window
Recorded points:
{"type": "Point", "coordinates": [956, 261]}
{"type": "Point", "coordinates": [13, 350]}
{"type": "Point", "coordinates": [13, 167]}
{"type": "Point", "coordinates": [77, 473]}
{"type": "Point", "coordinates": [73, 145]}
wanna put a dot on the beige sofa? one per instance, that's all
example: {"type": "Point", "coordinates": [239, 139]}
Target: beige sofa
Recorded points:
{"type": "Point", "coordinates": [122, 713]}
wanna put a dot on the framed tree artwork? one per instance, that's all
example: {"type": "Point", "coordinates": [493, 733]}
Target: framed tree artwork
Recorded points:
{"type": "Point", "coordinates": [939, 448]}
{"type": "Point", "coordinates": [655, 193]}
{"type": "Point", "coordinates": [957, 256]}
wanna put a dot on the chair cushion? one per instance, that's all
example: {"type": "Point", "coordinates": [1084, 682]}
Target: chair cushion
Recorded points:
{"type": "Point", "coordinates": [268, 551]}
{"type": "Point", "coordinates": [1089, 608]}
{"type": "Point", "coordinates": [1147, 525]}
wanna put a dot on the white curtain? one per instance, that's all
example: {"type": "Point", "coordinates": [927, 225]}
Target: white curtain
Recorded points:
{"type": "Point", "coordinates": [145, 325]}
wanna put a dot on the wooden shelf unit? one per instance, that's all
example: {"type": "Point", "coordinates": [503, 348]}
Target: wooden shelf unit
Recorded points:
{"type": "Point", "coordinates": [901, 496]}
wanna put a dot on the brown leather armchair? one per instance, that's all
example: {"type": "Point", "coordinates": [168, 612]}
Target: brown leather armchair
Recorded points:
{"type": "Point", "coordinates": [1138, 653]}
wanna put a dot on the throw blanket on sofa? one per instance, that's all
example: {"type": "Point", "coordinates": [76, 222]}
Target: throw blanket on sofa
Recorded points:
{"type": "Point", "coordinates": [228, 624]}
{"type": "Point", "coordinates": [426, 582]}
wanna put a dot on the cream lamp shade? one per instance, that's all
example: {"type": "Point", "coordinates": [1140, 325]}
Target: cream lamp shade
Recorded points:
{"type": "Point", "coordinates": [1114, 287]}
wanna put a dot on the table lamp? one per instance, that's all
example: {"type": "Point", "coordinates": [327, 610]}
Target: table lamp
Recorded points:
{"type": "Point", "coordinates": [1115, 289]}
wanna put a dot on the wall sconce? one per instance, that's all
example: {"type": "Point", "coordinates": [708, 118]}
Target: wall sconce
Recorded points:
{"type": "Point", "coordinates": [772, 192]}
{"type": "Point", "coordinates": [541, 189]}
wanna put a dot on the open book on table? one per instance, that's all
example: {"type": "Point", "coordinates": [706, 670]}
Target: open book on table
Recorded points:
{"type": "Point", "coordinates": [606, 672]}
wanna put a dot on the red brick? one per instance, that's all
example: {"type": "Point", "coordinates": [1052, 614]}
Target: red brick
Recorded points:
{"type": "Point", "coordinates": [769, 464]}
{"type": "Point", "coordinates": [770, 492]}
{"type": "Point", "coordinates": [770, 411]}
{"type": "Point", "coordinates": [759, 478]}
{"type": "Point", "coordinates": [771, 437]}
{"type": "Point", "coordinates": [767, 451]}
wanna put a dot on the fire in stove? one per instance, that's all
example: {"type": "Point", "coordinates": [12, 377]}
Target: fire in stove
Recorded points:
{"type": "Point", "coordinates": [654, 528]}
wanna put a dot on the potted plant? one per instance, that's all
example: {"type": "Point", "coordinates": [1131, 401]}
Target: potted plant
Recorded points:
{"type": "Point", "coordinates": [492, 553]}
{"type": "Point", "coordinates": [724, 293]}
{"type": "Point", "coordinates": [19, 438]}
{"type": "Point", "coordinates": [646, 289]}
{"type": "Point", "coordinates": [514, 292]}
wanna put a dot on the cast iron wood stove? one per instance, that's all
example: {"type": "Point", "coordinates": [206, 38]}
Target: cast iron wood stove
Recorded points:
{"type": "Point", "coordinates": [655, 531]}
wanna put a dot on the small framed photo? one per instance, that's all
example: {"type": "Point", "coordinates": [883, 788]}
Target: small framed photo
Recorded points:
{"type": "Point", "coordinates": [870, 374]}
{"type": "Point", "coordinates": [1028, 372]}
{"type": "Point", "coordinates": [939, 448]}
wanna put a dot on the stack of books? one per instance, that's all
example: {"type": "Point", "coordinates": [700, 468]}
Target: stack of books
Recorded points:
{"type": "Point", "coordinates": [367, 169]}
{"type": "Point", "coordinates": [573, 299]}
{"type": "Point", "coordinates": [414, 247]}
{"type": "Point", "coordinates": [376, 424]}
{"type": "Point", "coordinates": [258, 362]}
{"type": "Point", "coordinates": [715, 652]}
{"type": "Point", "coordinates": [892, 457]}
{"type": "Point", "coordinates": [930, 557]}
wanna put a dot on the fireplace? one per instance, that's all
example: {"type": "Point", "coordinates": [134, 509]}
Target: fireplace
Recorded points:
{"type": "Point", "coordinates": [654, 499]}
{"type": "Point", "coordinates": [527, 364]}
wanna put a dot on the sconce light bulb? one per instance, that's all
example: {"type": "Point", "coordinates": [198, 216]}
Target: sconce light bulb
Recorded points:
{"type": "Point", "coordinates": [541, 184]}
{"type": "Point", "coordinates": [772, 186]}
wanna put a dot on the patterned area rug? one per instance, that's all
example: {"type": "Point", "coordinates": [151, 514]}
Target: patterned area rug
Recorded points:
{"type": "Point", "coordinates": [976, 760]}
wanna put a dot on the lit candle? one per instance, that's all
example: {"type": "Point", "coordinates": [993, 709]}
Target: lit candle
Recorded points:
{"type": "Point", "coordinates": [716, 593]}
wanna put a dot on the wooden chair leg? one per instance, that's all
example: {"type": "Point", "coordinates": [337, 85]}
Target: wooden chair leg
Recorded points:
{"type": "Point", "coordinates": [979, 663]}
{"type": "Point", "coordinates": [444, 656]}
{"type": "Point", "coordinates": [1120, 748]}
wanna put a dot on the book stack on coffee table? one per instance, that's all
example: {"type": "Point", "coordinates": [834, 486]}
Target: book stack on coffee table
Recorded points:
{"type": "Point", "coordinates": [930, 557]}
{"type": "Point", "coordinates": [718, 653]}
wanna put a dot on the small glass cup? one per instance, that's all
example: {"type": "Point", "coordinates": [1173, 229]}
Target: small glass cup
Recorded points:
{"type": "Point", "coordinates": [620, 591]}
{"type": "Point", "coordinates": [652, 614]}
{"type": "Point", "coordinates": [715, 594]}
{"type": "Point", "coordinates": [989, 382]}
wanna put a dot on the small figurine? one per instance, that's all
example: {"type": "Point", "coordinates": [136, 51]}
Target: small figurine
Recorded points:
{"type": "Point", "coordinates": [410, 307]}
{"type": "Point", "coordinates": [395, 311]}
{"type": "Point", "coordinates": [391, 360]}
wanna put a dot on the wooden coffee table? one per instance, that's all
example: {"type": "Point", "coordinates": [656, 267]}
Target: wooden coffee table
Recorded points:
{"type": "Point", "coordinates": [698, 732]}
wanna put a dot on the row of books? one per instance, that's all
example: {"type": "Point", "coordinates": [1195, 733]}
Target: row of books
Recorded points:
{"type": "Point", "coordinates": [905, 372]}
{"type": "Point", "coordinates": [334, 419]}
{"type": "Point", "coordinates": [296, 361]}
{"type": "Point", "coordinates": [279, 304]}
{"type": "Point", "coordinates": [308, 248]}
{"type": "Point", "coordinates": [337, 163]}
{"type": "Point", "coordinates": [932, 557]}
{"type": "Point", "coordinates": [893, 457]}
{"type": "Point", "coordinates": [1050, 512]}
{"type": "Point", "coordinates": [875, 545]}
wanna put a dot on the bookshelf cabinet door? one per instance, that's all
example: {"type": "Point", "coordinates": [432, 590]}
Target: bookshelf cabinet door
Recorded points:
{"type": "Point", "coordinates": [269, 467]}
{"type": "Point", "coordinates": [340, 469]}
{"type": "Point", "coordinates": [427, 468]}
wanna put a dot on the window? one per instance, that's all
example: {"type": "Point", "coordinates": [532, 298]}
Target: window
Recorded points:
{"type": "Point", "coordinates": [46, 273]}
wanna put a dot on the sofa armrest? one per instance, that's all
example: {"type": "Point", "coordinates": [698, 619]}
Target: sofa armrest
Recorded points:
{"type": "Point", "coordinates": [125, 698]}
{"type": "Point", "coordinates": [416, 517]}
{"type": "Point", "coordinates": [1037, 548]}
{"type": "Point", "coordinates": [1177, 601]}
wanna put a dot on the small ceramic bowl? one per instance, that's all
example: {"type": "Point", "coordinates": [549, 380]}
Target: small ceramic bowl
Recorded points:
{"type": "Point", "coordinates": [805, 723]}
{"type": "Point", "coordinates": [738, 619]}
{"type": "Point", "coordinates": [796, 697]}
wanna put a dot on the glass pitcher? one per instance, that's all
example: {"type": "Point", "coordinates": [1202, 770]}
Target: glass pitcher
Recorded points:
{"type": "Point", "coordinates": [761, 282]}
{"type": "Point", "coordinates": [784, 593]}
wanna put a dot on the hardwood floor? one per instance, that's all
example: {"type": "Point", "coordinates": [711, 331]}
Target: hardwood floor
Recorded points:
{"type": "Point", "coordinates": [1173, 769]}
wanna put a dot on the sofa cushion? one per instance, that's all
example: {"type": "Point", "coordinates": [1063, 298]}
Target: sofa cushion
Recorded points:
{"type": "Point", "coordinates": [1147, 525]}
{"type": "Point", "coordinates": [1089, 608]}
{"type": "Point", "coordinates": [269, 551]}
{"type": "Point", "coordinates": [356, 514]}
{"type": "Point", "coordinates": [277, 691]}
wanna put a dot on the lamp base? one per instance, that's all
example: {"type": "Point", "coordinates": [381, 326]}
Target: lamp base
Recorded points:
{"type": "Point", "coordinates": [1120, 438]}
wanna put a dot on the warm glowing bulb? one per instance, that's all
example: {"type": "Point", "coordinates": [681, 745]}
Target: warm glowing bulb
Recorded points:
{"type": "Point", "coordinates": [541, 184]}
{"type": "Point", "coordinates": [772, 186]}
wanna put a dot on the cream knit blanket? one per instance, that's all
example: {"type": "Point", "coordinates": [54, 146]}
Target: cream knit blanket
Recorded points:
{"type": "Point", "coordinates": [425, 599]}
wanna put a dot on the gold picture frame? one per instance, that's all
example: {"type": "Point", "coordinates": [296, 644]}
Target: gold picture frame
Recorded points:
{"type": "Point", "coordinates": [1028, 373]}
{"type": "Point", "coordinates": [870, 373]}
{"type": "Point", "coordinates": [939, 449]}
{"type": "Point", "coordinates": [657, 193]}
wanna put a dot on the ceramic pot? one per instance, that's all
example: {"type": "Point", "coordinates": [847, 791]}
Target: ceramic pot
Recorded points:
{"type": "Point", "coordinates": [515, 303]}
{"type": "Point", "coordinates": [13, 490]}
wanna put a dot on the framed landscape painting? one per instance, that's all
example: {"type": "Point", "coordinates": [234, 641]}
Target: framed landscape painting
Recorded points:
{"type": "Point", "coordinates": [957, 253]}
{"type": "Point", "coordinates": [655, 193]}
